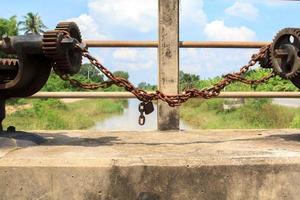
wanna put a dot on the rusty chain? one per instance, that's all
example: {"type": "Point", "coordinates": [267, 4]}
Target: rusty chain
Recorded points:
{"type": "Point", "coordinates": [87, 86]}
{"type": "Point", "coordinates": [177, 100]}
{"type": "Point", "coordinates": [171, 100]}
{"type": "Point", "coordinates": [77, 83]}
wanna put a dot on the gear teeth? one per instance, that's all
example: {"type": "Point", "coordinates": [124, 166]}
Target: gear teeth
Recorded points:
{"type": "Point", "coordinates": [297, 33]}
{"type": "Point", "coordinates": [9, 62]}
{"type": "Point", "coordinates": [65, 26]}
{"type": "Point", "coordinates": [51, 41]}
{"type": "Point", "coordinates": [9, 69]}
{"type": "Point", "coordinates": [286, 31]}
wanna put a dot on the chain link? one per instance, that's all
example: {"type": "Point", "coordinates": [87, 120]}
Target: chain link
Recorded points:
{"type": "Point", "coordinates": [177, 100]}
{"type": "Point", "coordinates": [87, 86]}
{"type": "Point", "coordinates": [77, 83]}
{"type": "Point", "coordinates": [172, 100]}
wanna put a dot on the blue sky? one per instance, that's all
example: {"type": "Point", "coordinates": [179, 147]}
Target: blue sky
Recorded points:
{"type": "Point", "coordinates": [255, 20]}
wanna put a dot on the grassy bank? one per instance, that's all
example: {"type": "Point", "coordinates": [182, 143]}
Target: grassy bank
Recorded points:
{"type": "Point", "coordinates": [54, 115]}
{"type": "Point", "coordinates": [255, 114]}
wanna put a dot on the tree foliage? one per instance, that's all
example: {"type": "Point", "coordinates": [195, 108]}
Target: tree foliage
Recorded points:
{"type": "Point", "coordinates": [147, 86]}
{"type": "Point", "coordinates": [91, 73]}
{"type": "Point", "coordinates": [32, 24]}
{"type": "Point", "coordinates": [122, 74]}
{"type": "Point", "coordinates": [274, 84]}
{"type": "Point", "coordinates": [8, 27]}
{"type": "Point", "coordinates": [188, 80]}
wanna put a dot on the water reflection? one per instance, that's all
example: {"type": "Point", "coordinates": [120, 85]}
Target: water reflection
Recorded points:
{"type": "Point", "coordinates": [294, 102]}
{"type": "Point", "coordinates": [128, 120]}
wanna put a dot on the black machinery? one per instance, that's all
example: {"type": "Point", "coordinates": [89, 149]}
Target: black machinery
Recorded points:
{"type": "Point", "coordinates": [34, 56]}
{"type": "Point", "coordinates": [285, 55]}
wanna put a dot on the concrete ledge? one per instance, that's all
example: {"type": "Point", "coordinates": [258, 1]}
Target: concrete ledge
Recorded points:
{"type": "Point", "coordinates": [148, 166]}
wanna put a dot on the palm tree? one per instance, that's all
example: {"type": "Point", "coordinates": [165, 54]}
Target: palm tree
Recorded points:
{"type": "Point", "coordinates": [32, 24]}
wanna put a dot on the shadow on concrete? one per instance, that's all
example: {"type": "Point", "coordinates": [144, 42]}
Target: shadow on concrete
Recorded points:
{"type": "Point", "coordinates": [288, 137]}
{"type": "Point", "coordinates": [20, 139]}
{"type": "Point", "coordinates": [60, 139]}
{"type": "Point", "coordinates": [26, 139]}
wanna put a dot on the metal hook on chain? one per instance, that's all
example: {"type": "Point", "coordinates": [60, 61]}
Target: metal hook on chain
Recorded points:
{"type": "Point", "coordinates": [145, 108]}
{"type": "Point", "coordinates": [142, 118]}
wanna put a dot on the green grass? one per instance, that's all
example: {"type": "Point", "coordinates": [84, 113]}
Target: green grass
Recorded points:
{"type": "Point", "coordinates": [54, 115]}
{"type": "Point", "coordinates": [255, 114]}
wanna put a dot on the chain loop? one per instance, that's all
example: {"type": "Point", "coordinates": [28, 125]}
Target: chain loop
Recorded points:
{"type": "Point", "coordinates": [171, 100]}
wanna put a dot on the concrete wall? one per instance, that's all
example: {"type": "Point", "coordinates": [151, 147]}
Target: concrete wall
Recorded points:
{"type": "Point", "coordinates": [151, 183]}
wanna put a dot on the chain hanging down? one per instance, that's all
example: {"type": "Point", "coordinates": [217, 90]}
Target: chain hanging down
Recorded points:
{"type": "Point", "coordinates": [172, 100]}
{"type": "Point", "coordinates": [87, 86]}
{"type": "Point", "coordinates": [177, 100]}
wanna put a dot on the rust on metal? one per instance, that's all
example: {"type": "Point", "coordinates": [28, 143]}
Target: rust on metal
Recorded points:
{"type": "Point", "coordinates": [136, 44]}
{"type": "Point", "coordinates": [128, 95]}
{"type": "Point", "coordinates": [62, 49]}
{"type": "Point", "coordinates": [178, 99]}
{"type": "Point", "coordinates": [182, 44]}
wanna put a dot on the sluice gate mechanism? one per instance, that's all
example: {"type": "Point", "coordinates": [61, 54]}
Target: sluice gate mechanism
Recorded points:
{"type": "Point", "coordinates": [30, 59]}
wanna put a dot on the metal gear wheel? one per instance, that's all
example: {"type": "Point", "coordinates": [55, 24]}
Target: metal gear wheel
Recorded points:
{"type": "Point", "coordinates": [8, 69]}
{"type": "Point", "coordinates": [285, 53]}
{"type": "Point", "coordinates": [65, 58]}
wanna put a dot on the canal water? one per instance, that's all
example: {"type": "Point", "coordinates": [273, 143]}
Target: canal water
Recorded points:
{"type": "Point", "coordinates": [128, 120]}
{"type": "Point", "coordinates": [293, 103]}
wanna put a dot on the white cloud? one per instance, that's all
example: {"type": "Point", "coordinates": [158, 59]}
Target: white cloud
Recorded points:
{"type": "Point", "coordinates": [244, 10]}
{"type": "Point", "coordinates": [105, 19]}
{"type": "Point", "coordinates": [134, 60]}
{"type": "Point", "coordinates": [88, 27]}
{"type": "Point", "coordinates": [137, 14]}
{"type": "Point", "coordinates": [137, 19]}
{"type": "Point", "coordinates": [191, 12]}
{"type": "Point", "coordinates": [125, 54]}
{"type": "Point", "coordinates": [214, 62]}
{"type": "Point", "coordinates": [217, 30]}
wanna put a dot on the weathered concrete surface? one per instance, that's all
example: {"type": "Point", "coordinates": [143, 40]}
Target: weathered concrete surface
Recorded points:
{"type": "Point", "coordinates": [168, 59]}
{"type": "Point", "coordinates": [150, 166]}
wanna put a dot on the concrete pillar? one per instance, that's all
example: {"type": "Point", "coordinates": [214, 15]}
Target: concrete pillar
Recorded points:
{"type": "Point", "coordinates": [168, 118]}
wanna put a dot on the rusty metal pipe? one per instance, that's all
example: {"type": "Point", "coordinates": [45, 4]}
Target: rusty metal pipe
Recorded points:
{"type": "Point", "coordinates": [135, 44]}
{"type": "Point", "coordinates": [182, 44]}
{"type": "Point", "coordinates": [222, 44]}
{"type": "Point", "coordinates": [126, 95]}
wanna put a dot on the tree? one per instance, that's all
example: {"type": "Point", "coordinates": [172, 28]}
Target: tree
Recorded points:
{"type": "Point", "coordinates": [32, 24]}
{"type": "Point", "coordinates": [122, 74]}
{"type": "Point", "coordinates": [90, 73]}
{"type": "Point", "coordinates": [147, 86]}
{"type": "Point", "coordinates": [188, 80]}
{"type": "Point", "coordinates": [8, 27]}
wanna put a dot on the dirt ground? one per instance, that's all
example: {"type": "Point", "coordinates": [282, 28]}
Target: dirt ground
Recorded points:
{"type": "Point", "coordinates": [10, 109]}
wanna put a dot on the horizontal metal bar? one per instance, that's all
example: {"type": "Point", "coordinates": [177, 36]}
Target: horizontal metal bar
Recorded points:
{"type": "Point", "coordinates": [222, 44]}
{"type": "Point", "coordinates": [136, 44]}
{"type": "Point", "coordinates": [260, 95]}
{"type": "Point", "coordinates": [182, 44]}
{"type": "Point", "coordinates": [128, 95]}
{"type": "Point", "coordinates": [88, 95]}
